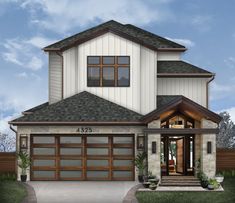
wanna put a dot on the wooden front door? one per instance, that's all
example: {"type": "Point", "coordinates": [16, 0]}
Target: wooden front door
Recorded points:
{"type": "Point", "coordinates": [180, 155]}
{"type": "Point", "coordinates": [82, 157]}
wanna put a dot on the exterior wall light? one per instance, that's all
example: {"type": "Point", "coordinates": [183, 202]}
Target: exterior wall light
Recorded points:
{"type": "Point", "coordinates": [140, 142]}
{"type": "Point", "coordinates": [154, 147]}
{"type": "Point", "coordinates": [23, 142]}
{"type": "Point", "coordinates": [209, 148]}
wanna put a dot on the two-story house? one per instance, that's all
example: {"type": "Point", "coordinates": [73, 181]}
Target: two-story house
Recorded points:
{"type": "Point", "coordinates": [116, 90]}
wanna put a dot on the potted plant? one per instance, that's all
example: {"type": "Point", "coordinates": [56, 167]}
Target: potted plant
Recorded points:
{"type": "Point", "coordinates": [146, 184]}
{"type": "Point", "coordinates": [219, 178]}
{"type": "Point", "coordinates": [213, 184]}
{"type": "Point", "coordinates": [24, 163]}
{"type": "Point", "coordinates": [204, 180]}
{"type": "Point", "coordinates": [150, 175]}
{"type": "Point", "coordinates": [141, 165]}
{"type": "Point", "coordinates": [153, 186]}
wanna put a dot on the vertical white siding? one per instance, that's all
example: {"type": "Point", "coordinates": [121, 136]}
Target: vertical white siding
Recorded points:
{"type": "Point", "coordinates": [55, 77]}
{"type": "Point", "coordinates": [168, 56]}
{"type": "Point", "coordinates": [140, 96]}
{"type": "Point", "coordinates": [193, 88]}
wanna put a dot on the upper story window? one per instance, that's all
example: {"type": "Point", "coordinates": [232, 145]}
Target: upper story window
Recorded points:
{"type": "Point", "coordinates": [108, 71]}
{"type": "Point", "coordinates": [178, 121]}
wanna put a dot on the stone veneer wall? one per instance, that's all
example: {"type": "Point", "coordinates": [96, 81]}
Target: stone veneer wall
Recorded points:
{"type": "Point", "coordinates": [154, 160]}
{"type": "Point", "coordinates": [27, 130]}
{"type": "Point", "coordinates": [208, 161]}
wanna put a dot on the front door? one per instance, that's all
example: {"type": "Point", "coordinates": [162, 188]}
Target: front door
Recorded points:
{"type": "Point", "coordinates": [177, 154]}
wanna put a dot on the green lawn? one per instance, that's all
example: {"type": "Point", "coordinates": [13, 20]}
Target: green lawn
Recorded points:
{"type": "Point", "coordinates": [11, 192]}
{"type": "Point", "coordinates": [228, 196]}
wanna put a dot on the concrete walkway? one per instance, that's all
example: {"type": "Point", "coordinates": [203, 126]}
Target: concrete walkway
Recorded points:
{"type": "Point", "coordinates": [81, 192]}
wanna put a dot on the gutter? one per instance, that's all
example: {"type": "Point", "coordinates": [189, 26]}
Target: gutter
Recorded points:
{"type": "Point", "coordinates": [207, 90]}
{"type": "Point", "coordinates": [13, 129]}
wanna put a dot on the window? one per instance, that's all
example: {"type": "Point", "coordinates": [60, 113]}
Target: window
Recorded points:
{"type": "Point", "coordinates": [108, 71]}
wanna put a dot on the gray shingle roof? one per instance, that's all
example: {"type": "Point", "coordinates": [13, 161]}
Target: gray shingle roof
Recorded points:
{"type": "Point", "coordinates": [36, 108]}
{"type": "Point", "coordinates": [163, 100]}
{"type": "Point", "coordinates": [82, 107]}
{"type": "Point", "coordinates": [128, 31]}
{"type": "Point", "coordinates": [177, 67]}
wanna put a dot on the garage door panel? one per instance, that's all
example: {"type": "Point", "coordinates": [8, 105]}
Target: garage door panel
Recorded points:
{"type": "Point", "coordinates": [86, 157]}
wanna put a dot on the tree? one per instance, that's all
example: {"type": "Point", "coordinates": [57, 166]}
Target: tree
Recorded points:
{"type": "Point", "coordinates": [7, 142]}
{"type": "Point", "coordinates": [226, 136]}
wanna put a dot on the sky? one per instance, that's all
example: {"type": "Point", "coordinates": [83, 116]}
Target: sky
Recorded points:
{"type": "Point", "coordinates": [205, 27]}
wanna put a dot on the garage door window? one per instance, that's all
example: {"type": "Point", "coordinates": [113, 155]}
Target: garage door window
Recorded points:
{"type": "Point", "coordinates": [70, 174]}
{"type": "Point", "coordinates": [97, 151]}
{"type": "Point", "coordinates": [44, 174]}
{"type": "Point", "coordinates": [43, 140]}
{"type": "Point", "coordinates": [70, 162]}
{"type": "Point", "coordinates": [74, 140]}
{"type": "Point", "coordinates": [97, 174]}
{"type": "Point", "coordinates": [70, 151]}
{"type": "Point", "coordinates": [43, 162]}
{"type": "Point", "coordinates": [44, 151]}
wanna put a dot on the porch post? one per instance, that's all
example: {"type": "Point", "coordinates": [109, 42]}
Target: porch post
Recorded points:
{"type": "Point", "coordinates": [208, 160]}
{"type": "Point", "coordinates": [154, 159]}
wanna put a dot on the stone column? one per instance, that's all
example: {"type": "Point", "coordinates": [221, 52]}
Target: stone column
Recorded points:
{"type": "Point", "coordinates": [208, 161]}
{"type": "Point", "coordinates": [154, 160]}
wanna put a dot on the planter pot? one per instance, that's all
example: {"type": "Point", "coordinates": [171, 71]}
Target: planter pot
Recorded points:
{"type": "Point", "coordinates": [146, 184]}
{"type": "Point", "coordinates": [219, 179]}
{"type": "Point", "coordinates": [210, 187]}
{"type": "Point", "coordinates": [141, 178]}
{"type": "Point", "coordinates": [204, 184]}
{"type": "Point", "coordinates": [153, 187]}
{"type": "Point", "coordinates": [23, 178]}
{"type": "Point", "coordinates": [155, 181]}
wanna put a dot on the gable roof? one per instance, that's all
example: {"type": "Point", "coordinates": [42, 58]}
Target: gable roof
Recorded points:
{"type": "Point", "coordinates": [80, 108]}
{"type": "Point", "coordinates": [127, 31]}
{"type": "Point", "coordinates": [180, 103]}
{"type": "Point", "coordinates": [180, 68]}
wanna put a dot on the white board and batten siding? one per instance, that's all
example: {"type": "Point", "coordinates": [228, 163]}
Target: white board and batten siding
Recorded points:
{"type": "Point", "coordinates": [169, 56]}
{"type": "Point", "coordinates": [192, 88]}
{"type": "Point", "coordinates": [55, 77]}
{"type": "Point", "coordinates": [140, 96]}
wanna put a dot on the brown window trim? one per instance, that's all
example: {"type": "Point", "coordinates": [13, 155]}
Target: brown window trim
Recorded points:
{"type": "Point", "coordinates": [115, 66]}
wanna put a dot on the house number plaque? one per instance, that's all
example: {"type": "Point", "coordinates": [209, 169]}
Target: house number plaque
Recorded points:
{"type": "Point", "coordinates": [84, 130]}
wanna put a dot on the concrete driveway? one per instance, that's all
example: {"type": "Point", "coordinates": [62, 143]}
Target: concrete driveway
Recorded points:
{"type": "Point", "coordinates": [81, 192]}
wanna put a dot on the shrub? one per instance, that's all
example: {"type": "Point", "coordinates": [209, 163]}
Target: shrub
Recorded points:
{"type": "Point", "coordinates": [228, 173]}
{"type": "Point", "coordinates": [8, 177]}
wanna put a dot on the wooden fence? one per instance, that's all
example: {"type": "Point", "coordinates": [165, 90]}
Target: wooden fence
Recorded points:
{"type": "Point", "coordinates": [225, 159]}
{"type": "Point", "coordinates": [7, 162]}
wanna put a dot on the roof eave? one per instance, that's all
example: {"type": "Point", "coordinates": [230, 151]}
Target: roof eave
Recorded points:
{"type": "Point", "coordinates": [78, 123]}
{"type": "Point", "coordinates": [203, 75]}
{"type": "Point", "coordinates": [173, 49]}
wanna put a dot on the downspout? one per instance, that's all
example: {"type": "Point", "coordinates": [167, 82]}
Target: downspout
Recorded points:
{"type": "Point", "coordinates": [16, 168]}
{"type": "Point", "coordinates": [207, 90]}
{"type": "Point", "coordinates": [62, 77]}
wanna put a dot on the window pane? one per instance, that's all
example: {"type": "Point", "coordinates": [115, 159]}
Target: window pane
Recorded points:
{"type": "Point", "coordinates": [93, 77]}
{"type": "Point", "coordinates": [108, 60]}
{"type": "Point", "coordinates": [70, 163]}
{"type": "Point", "coordinates": [123, 174]}
{"type": "Point", "coordinates": [122, 140]}
{"type": "Point", "coordinates": [123, 76]}
{"type": "Point", "coordinates": [70, 151]}
{"type": "Point", "coordinates": [97, 162]}
{"type": "Point", "coordinates": [123, 60]}
{"type": "Point", "coordinates": [97, 174]}
{"type": "Point", "coordinates": [98, 140]}
{"type": "Point", "coordinates": [122, 162]}
{"type": "Point", "coordinates": [122, 151]}
{"type": "Point", "coordinates": [70, 174]}
{"type": "Point", "coordinates": [43, 140]}
{"type": "Point", "coordinates": [44, 151]}
{"type": "Point", "coordinates": [44, 163]}
{"type": "Point", "coordinates": [64, 140]}
{"type": "Point", "coordinates": [93, 60]}
{"type": "Point", "coordinates": [97, 151]}
{"type": "Point", "coordinates": [44, 174]}
{"type": "Point", "coordinates": [108, 76]}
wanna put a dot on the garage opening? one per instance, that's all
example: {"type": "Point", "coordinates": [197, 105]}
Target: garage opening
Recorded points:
{"type": "Point", "coordinates": [82, 157]}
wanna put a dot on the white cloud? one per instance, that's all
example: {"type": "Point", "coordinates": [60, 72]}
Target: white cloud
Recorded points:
{"type": "Point", "coordinates": [220, 91]}
{"type": "Point", "coordinates": [61, 16]}
{"type": "Point", "coordinates": [22, 75]}
{"type": "Point", "coordinates": [202, 22]}
{"type": "Point", "coordinates": [25, 52]}
{"type": "Point", "coordinates": [230, 62]}
{"type": "Point", "coordinates": [231, 112]}
{"type": "Point", "coordinates": [185, 42]}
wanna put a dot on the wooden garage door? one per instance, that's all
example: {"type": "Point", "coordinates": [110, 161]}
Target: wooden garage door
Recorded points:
{"type": "Point", "coordinates": [83, 157]}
